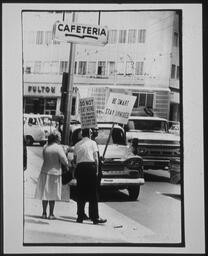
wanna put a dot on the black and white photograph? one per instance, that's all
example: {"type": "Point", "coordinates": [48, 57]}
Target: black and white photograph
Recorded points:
{"type": "Point", "coordinates": [103, 134]}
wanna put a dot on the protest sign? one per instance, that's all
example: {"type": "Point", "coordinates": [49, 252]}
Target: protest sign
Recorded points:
{"type": "Point", "coordinates": [87, 113]}
{"type": "Point", "coordinates": [119, 107]}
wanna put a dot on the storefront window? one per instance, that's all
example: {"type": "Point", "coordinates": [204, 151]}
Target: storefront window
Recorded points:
{"type": "Point", "coordinates": [50, 106]}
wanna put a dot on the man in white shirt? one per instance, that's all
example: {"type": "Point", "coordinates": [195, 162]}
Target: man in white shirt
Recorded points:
{"type": "Point", "coordinates": [86, 160]}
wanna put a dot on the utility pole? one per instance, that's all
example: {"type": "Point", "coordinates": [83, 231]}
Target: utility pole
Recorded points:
{"type": "Point", "coordinates": [67, 111]}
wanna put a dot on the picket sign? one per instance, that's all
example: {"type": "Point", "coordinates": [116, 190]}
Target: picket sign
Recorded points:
{"type": "Point", "coordinates": [117, 110]}
{"type": "Point", "coordinates": [87, 110]}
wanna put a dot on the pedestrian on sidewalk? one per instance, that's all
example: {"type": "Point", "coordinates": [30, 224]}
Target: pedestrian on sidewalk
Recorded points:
{"type": "Point", "coordinates": [86, 173]}
{"type": "Point", "coordinates": [49, 182]}
{"type": "Point", "coordinates": [94, 135]}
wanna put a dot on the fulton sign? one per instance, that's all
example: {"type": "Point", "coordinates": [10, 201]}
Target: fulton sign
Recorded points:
{"type": "Point", "coordinates": [80, 33]}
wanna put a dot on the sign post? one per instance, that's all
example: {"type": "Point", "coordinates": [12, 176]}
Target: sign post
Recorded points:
{"type": "Point", "coordinates": [67, 111]}
{"type": "Point", "coordinates": [118, 110]}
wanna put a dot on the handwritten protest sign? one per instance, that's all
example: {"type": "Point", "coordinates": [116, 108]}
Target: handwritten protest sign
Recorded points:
{"type": "Point", "coordinates": [87, 113]}
{"type": "Point", "coordinates": [119, 107]}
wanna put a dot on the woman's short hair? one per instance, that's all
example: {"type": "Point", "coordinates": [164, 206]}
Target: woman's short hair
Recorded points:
{"type": "Point", "coordinates": [53, 137]}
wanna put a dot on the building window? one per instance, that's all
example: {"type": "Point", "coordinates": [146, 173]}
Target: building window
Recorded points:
{"type": "Point", "coordinates": [111, 68]}
{"type": "Point", "coordinates": [39, 37]}
{"type": "Point", "coordinates": [101, 68]}
{"type": "Point", "coordinates": [122, 36]}
{"type": "Point", "coordinates": [50, 106]}
{"type": "Point", "coordinates": [141, 35]}
{"type": "Point", "coordinates": [175, 39]}
{"type": "Point", "coordinates": [129, 67]}
{"type": "Point", "coordinates": [144, 100]}
{"type": "Point", "coordinates": [54, 67]}
{"type": "Point", "coordinates": [29, 67]}
{"type": "Point", "coordinates": [75, 67]}
{"type": "Point", "coordinates": [120, 68]}
{"type": "Point", "coordinates": [139, 68]}
{"type": "Point", "coordinates": [132, 36]}
{"type": "Point", "coordinates": [63, 66]}
{"type": "Point", "coordinates": [173, 70]}
{"type": "Point", "coordinates": [28, 70]}
{"type": "Point", "coordinates": [178, 72]}
{"type": "Point", "coordinates": [82, 68]}
{"type": "Point", "coordinates": [112, 38]}
{"type": "Point", "coordinates": [91, 69]}
{"type": "Point", "coordinates": [46, 67]}
{"type": "Point", "coordinates": [48, 37]}
{"type": "Point", "coordinates": [137, 100]}
{"type": "Point", "coordinates": [31, 37]}
{"type": "Point", "coordinates": [37, 67]}
{"type": "Point", "coordinates": [149, 101]}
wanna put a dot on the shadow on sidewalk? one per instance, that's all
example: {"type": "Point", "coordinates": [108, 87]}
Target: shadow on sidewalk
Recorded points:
{"type": "Point", "coordinates": [47, 221]}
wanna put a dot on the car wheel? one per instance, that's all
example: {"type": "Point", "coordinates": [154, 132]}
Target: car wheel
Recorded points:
{"type": "Point", "coordinates": [42, 143]}
{"type": "Point", "coordinates": [133, 193]}
{"type": "Point", "coordinates": [29, 140]}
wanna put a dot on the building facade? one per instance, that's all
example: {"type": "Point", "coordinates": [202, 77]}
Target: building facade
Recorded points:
{"type": "Point", "coordinates": [142, 56]}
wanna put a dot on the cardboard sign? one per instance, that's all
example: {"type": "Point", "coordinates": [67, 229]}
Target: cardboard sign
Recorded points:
{"type": "Point", "coordinates": [87, 113]}
{"type": "Point", "coordinates": [119, 107]}
{"type": "Point", "coordinates": [80, 33]}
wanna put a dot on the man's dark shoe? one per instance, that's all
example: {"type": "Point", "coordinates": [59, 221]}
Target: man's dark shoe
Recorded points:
{"type": "Point", "coordinates": [79, 220]}
{"type": "Point", "coordinates": [99, 221]}
{"type": "Point", "coordinates": [85, 217]}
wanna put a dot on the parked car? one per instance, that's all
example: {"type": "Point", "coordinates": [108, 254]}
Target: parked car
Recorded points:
{"type": "Point", "coordinates": [34, 129]}
{"type": "Point", "coordinates": [156, 145]}
{"type": "Point", "coordinates": [121, 169]}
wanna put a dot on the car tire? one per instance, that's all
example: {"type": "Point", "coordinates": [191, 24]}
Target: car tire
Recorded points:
{"type": "Point", "coordinates": [29, 140]}
{"type": "Point", "coordinates": [133, 193]}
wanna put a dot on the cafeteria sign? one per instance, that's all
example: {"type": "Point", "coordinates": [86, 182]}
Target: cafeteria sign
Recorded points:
{"type": "Point", "coordinates": [119, 107]}
{"type": "Point", "coordinates": [80, 33]}
{"type": "Point", "coordinates": [87, 113]}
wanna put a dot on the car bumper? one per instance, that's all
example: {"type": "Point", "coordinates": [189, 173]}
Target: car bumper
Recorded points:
{"type": "Point", "coordinates": [155, 163]}
{"type": "Point", "coordinates": [117, 183]}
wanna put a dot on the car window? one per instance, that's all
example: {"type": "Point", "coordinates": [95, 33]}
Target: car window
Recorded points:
{"type": "Point", "coordinates": [147, 125]}
{"type": "Point", "coordinates": [117, 137]}
{"type": "Point", "coordinates": [32, 121]}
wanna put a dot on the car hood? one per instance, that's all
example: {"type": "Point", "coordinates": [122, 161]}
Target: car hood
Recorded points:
{"type": "Point", "coordinates": [114, 151]}
{"type": "Point", "coordinates": [152, 136]}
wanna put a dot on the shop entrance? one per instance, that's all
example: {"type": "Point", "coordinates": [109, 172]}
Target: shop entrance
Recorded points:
{"type": "Point", "coordinates": [40, 105]}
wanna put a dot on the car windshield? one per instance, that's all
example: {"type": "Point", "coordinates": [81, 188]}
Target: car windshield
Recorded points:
{"type": "Point", "coordinates": [148, 125]}
{"type": "Point", "coordinates": [117, 137]}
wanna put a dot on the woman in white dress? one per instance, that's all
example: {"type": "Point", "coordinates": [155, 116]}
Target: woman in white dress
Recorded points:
{"type": "Point", "coordinates": [49, 183]}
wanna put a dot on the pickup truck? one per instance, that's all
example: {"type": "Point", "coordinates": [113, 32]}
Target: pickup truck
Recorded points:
{"type": "Point", "coordinates": [157, 146]}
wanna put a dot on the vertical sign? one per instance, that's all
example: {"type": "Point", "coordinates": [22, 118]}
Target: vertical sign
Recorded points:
{"type": "Point", "coordinates": [87, 113]}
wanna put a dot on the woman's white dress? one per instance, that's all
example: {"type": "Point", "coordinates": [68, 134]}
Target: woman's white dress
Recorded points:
{"type": "Point", "coordinates": [49, 182]}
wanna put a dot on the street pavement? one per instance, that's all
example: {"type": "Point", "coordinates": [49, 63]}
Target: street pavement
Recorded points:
{"type": "Point", "coordinates": [64, 229]}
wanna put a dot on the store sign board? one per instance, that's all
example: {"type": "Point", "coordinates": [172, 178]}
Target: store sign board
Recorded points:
{"type": "Point", "coordinates": [119, 107]}
{"type": "Point", "coordinates": [87, 113]}
{"type": "Point", "coordinates": [80, 33]}
{"type": "Point", "coordinates": [50, 90]}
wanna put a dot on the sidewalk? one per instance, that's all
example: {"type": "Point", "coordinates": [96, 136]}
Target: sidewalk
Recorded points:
{"type": "Point", "coordinates": [118, 229]}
